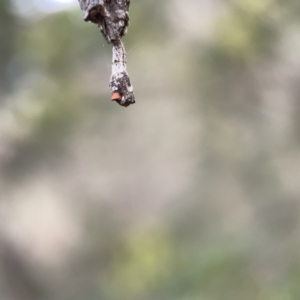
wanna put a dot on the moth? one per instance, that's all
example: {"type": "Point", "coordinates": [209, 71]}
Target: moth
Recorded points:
{"type": "Point", "coordinates": [112, 17]}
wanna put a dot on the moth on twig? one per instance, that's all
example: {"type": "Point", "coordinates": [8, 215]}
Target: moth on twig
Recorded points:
{"type": "Point", "coordinates": [112, 17]}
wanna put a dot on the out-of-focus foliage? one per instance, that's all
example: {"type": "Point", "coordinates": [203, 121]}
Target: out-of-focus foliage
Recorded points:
{"type": "Point", "coordinates": [192, 193]}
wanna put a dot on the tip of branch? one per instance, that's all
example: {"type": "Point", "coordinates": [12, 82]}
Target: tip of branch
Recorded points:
{"type": "Point", "coordinates": [116, 97]}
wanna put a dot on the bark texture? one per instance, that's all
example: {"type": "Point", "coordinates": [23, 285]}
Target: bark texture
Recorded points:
{"type": "Point", "coordinates": [112, 17]}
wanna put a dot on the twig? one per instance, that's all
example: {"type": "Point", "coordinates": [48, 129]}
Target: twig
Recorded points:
{"type": "Point", "coordinates": [112, 17]}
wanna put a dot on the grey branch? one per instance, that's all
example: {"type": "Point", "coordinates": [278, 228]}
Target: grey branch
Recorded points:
{"type": "Point", "coordinates": [112, 17]}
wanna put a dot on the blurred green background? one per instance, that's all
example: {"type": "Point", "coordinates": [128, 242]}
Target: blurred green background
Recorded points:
{"type": "Point", "coordinates": [193, 193]}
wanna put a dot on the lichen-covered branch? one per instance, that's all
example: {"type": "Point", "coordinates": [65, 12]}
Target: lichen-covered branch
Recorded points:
{"type": "Point", "coordinates": [120, 85]}
{"type": "Point", "coordinates": [112, 17]}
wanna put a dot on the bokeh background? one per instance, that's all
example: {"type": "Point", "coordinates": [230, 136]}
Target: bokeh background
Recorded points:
{"type": "Point", "coordinates": [193, 193]}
